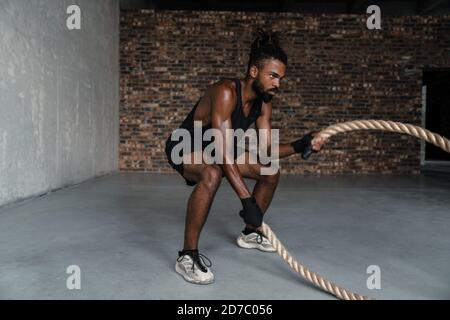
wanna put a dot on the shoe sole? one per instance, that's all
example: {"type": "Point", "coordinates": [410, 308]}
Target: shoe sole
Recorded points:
{"type": "Point", "coordinates": [190, 280]}
{"type": "Point", "coordinates": [241, 243]}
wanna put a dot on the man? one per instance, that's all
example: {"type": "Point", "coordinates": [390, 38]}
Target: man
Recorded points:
{"type": "Point", "coordinates": [234, 104]}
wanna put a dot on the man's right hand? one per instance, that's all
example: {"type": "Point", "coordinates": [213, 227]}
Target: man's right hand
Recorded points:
{"type": "Point", "coordinates": [318, 141]}
{"type": "Point", "coordinates": [251, 212]}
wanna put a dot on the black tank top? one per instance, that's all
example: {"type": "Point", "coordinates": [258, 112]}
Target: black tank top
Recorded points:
{"type": "Point", "coordinates": [238, 118]}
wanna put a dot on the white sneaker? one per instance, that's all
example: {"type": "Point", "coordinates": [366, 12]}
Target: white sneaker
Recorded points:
{"type": "Point", "coordinates": [191, 266]}
{"type": "Point", "coordinates": [255, 240]}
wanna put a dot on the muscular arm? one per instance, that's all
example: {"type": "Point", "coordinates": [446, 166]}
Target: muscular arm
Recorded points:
{"type": "Point", "coordinates": [285, 149]}
{"type": "Point", "coordinates": [223, 103]}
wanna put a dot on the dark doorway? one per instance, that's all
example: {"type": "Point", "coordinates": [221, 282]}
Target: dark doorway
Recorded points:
{"type": "Point", "coordinates": [437, 110]}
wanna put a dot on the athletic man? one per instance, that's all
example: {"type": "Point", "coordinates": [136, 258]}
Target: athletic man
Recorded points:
{"type": "Point", "coordinates": [234, 104]}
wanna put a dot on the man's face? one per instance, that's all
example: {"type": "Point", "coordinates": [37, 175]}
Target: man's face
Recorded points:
{"type": "Point", "coordinates": [267, 82]}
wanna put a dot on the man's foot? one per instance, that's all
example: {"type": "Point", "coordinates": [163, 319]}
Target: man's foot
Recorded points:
{"type": "Point", "coordinates": [254, 239]}
{"type": "Point", "coordinates": [192, 267]}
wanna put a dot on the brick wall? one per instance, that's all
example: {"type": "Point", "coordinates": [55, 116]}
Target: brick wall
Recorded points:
{"type": "Point", "coordinates": [338, 71]}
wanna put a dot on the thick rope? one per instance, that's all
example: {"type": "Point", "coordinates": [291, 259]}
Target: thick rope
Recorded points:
{"type": "Point", "coordinates": [391, 126]}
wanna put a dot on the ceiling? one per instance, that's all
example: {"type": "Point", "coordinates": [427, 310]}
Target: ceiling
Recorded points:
{"type": "Point", "coordinates": [388, 7]}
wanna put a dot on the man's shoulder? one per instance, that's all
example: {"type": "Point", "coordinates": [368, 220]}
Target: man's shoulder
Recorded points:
{"type": "Point", "coordinates": [225, 88]}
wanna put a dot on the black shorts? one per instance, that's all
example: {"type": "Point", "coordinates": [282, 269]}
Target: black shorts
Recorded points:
{"type": "Point", "coordinates": [178, 167]}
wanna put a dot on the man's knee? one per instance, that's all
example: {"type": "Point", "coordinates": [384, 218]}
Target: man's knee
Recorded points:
{"type": "Point", "coordinates": [270, 178]}
{"type": "Point", "coordinates": [212, 176]}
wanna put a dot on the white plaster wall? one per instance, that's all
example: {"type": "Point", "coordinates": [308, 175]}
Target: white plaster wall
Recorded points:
{"type": "Point", "coordinates": [59, 95]}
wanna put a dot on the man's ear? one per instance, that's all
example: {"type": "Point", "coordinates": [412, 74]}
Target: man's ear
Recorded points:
{"type": "Point", "coordinates": [253, 71]}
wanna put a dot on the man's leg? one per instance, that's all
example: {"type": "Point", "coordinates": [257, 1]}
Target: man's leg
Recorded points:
{"type": "Point", "coordinates": [192, 265]}
{"type": "Point", "coordinates": [208, 178]}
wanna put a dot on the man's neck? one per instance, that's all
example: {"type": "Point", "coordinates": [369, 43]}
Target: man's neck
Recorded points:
{"type": "Point", "coordinates": [248, 94]}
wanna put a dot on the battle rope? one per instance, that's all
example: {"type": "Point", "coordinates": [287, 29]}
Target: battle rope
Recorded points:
{"type": "Point", "coordinates": [391, 126]}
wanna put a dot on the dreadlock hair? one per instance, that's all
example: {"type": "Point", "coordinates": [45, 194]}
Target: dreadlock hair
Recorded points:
{"type": "Point", "coordinates": [266, 46]}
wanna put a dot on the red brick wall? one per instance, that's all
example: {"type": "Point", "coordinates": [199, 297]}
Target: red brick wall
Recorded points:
{"type": "Point", "coordinates": [338, 71]}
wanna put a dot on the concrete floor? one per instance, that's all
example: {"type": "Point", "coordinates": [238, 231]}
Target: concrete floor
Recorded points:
{"type": "Point", "coordinates": [124, 230]}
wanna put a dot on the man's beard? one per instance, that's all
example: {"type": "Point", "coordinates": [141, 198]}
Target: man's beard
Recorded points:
{"type": "Point", "coordinates": [265, 96]}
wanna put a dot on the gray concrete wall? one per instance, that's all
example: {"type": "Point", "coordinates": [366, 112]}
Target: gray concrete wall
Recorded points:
{"type": "Point", "coordinates": [59, 95]}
